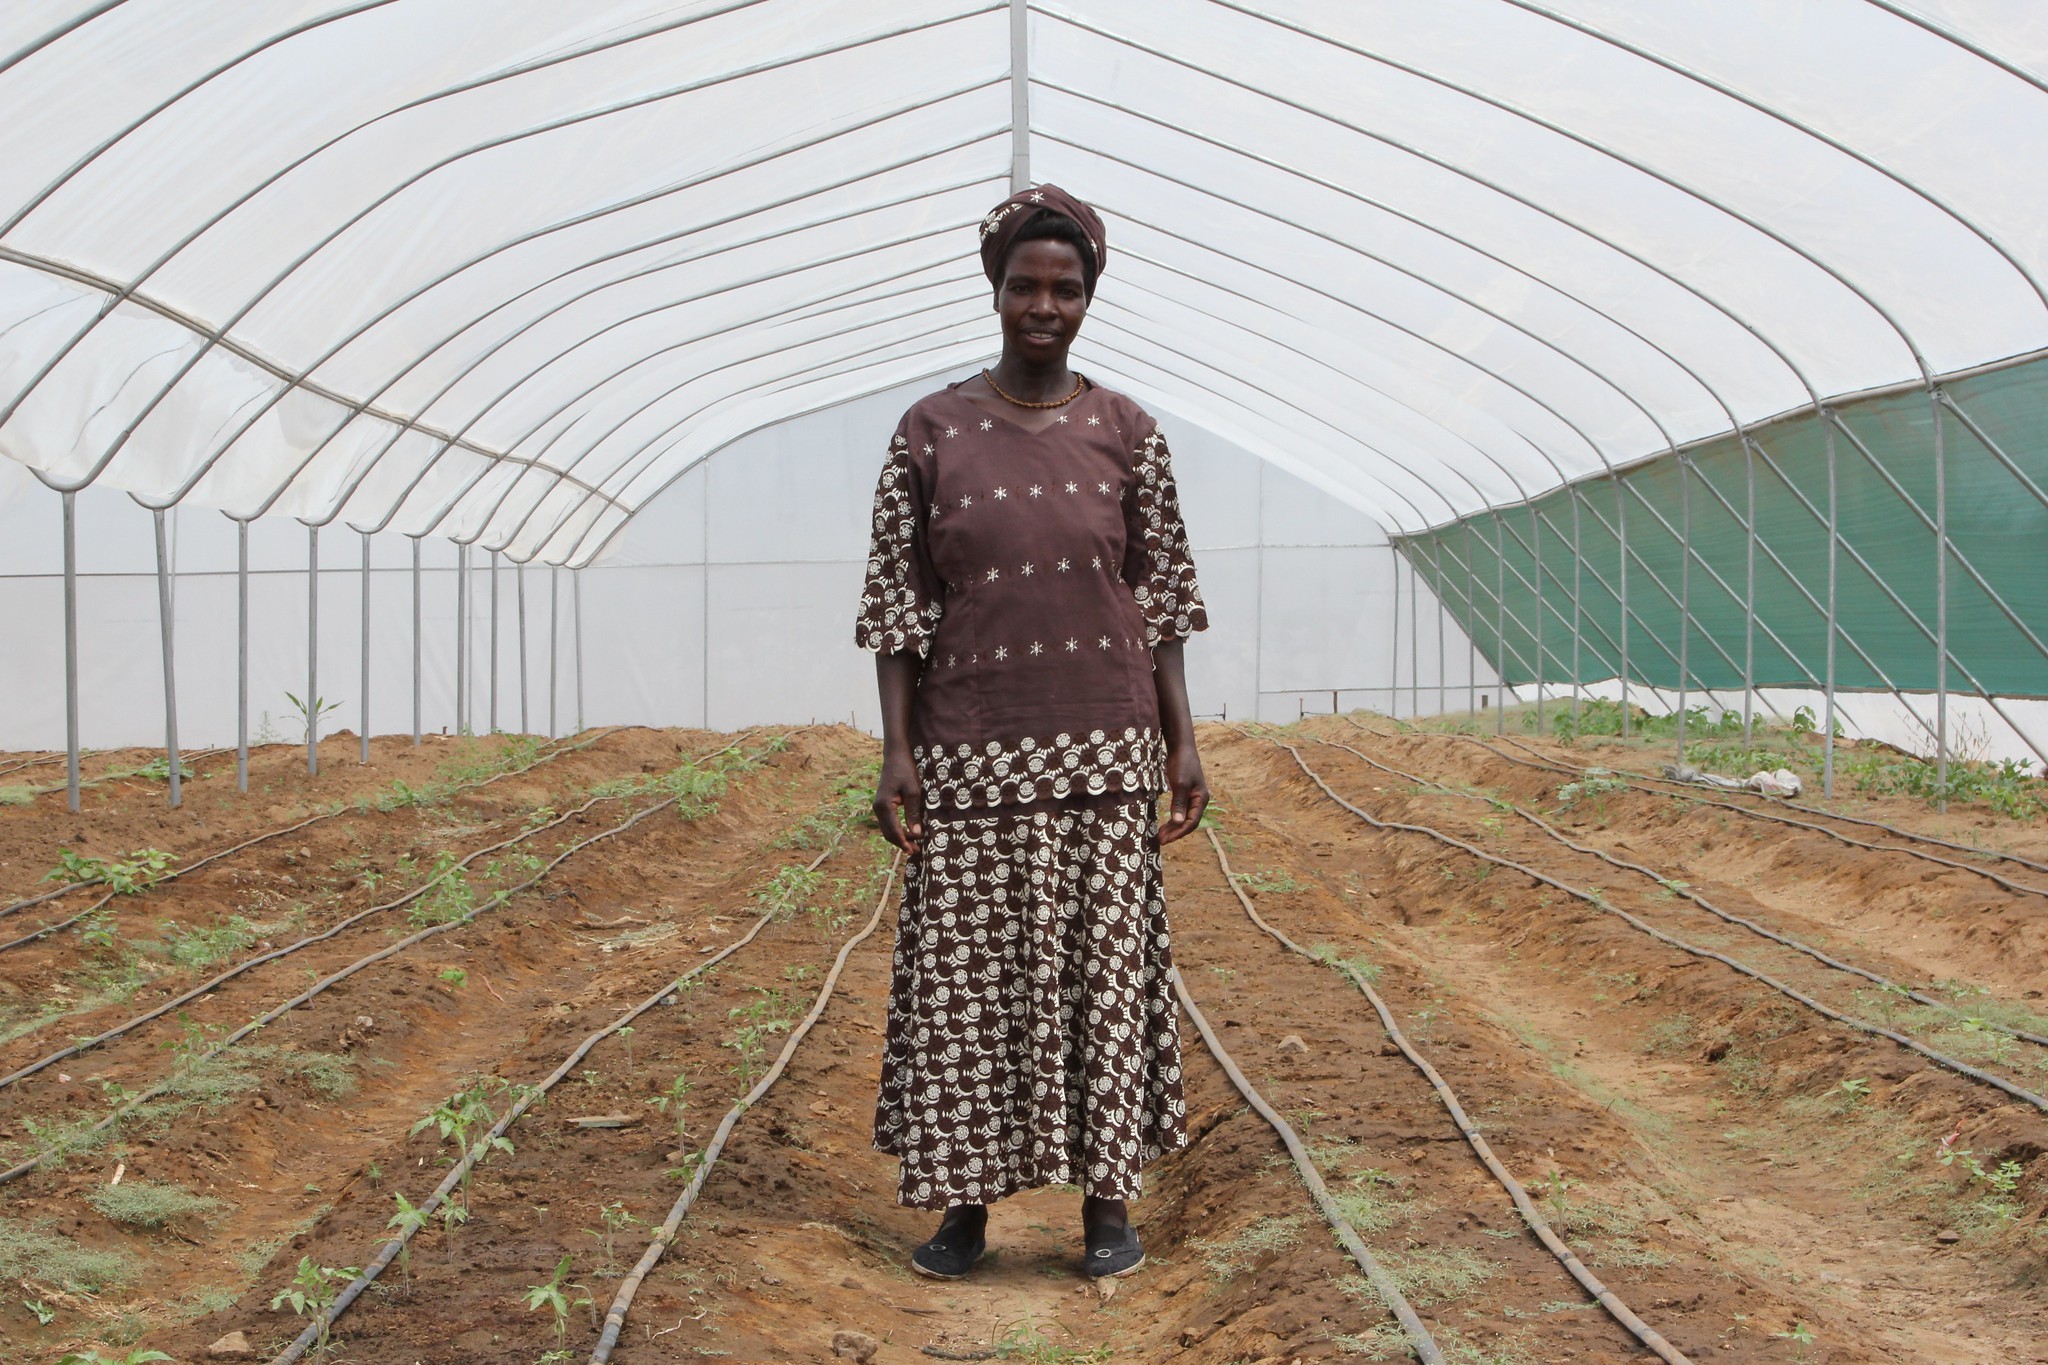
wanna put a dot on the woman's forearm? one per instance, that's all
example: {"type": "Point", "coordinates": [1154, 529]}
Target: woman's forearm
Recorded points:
{"type": "Point", "coordinates": [896, 678]}
{"type": "Point", "coordinates": [899, 798]}
{"type": "Point", "coordinates": [1170, 680]}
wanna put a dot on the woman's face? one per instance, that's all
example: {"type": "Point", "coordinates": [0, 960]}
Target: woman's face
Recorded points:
{"type": "Point", "coordinates": [1043, 298]}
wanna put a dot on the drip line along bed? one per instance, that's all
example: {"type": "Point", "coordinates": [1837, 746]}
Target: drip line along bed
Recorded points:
{"type": "Point", "coordinates": [624, 1090]}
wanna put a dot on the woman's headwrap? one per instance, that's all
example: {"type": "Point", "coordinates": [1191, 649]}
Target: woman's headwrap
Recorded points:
{"type": "Point", "coordinates": [1008, 218]}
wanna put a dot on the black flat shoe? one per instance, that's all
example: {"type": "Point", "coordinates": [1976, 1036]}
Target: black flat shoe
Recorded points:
{"type": "Point", "coordinates": [947, 1256]}
{"type": "Point", "coordinates": [1113, 1252]}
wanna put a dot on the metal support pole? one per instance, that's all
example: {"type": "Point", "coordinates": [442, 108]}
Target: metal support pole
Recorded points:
{"type": "Point", "coordinates": [461, 639]}
{"type": "Point", "coordinates": [1020, 95]}
{"type": "Point", "coordinates": [313, 650]}
{"type": "Point", "coordinates": [1536, 552]}
{"type": "Point", "coordinates": [241, 656]}
{"type": "Point", "coordinates": [494, 642]}
{"type": "Point", "coordinates": [1621, 595]}
{"type": "Point", "coordinates": [554, 644]}
{"type": "Point", "coordinates": [1471, 630]}
{"type": "Point", "coordinates": [1500, 626]}
{"type": "Point", "coordinates": [1940, 603]}
{"type": "Point", "coordinates": [1414, 643]}
{"type": "Point", "coordinates": [1443, 704]}
{"type": "Point", "coordinates": [415, 642]}
{"type": "Point", "coordinates": [1827, 767]}
{"type": "Point", "coordinates": [576, 590]}
{"type": "Point", "coordinates": [519, 596]}
{"type": "Point", "coordinates": [71, 651]}
{"type": "Point", "coordinates": [1749, 595]}
{"type": "Point", "coordinates": [166, 621]}
{"type": "Point", "coordinates": [1578, 608]}
{"type": "Point", "coordinates": [1684, 590]}
{"type": "Point", "coordinates": [364, 711]}
{"type": "Point", "coordinates": [1394, 658]}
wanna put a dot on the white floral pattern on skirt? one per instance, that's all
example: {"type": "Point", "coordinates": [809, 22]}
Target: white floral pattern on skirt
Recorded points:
{"type": "Point", "coordinates": [1033, 1037]}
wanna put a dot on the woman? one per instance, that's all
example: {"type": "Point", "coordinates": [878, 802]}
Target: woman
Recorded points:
{"type": "Point", "coordinates": [1027, 594]}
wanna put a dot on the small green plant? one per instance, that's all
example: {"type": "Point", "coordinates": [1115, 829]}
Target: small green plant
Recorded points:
{"type": "Point", "coordinates": [448, 896]}
{"type": "Point", "coordinates": [616, 1218]}
{"type": "Point", "coordinates": [312, 1290]}
{"type": "Point", "coordinates": [1801, 1336]}
{"type": "Point", "coordinates": [407, 1222]}
{"type": "Point", "coordinates": [44, 1313]}
{"type": "Point", "coordinates": [1276, 883]}
{"type": "Point", "coordinates": [625, 1035]}
{"type": "Point", "coordinates": [466, 1118]}
{"type": "Point", "coordinates": [553, 1294]}
{"type": "Point", "coordinates": [311, 715]}
{"type": "Point", "coordinates": [127, 875]}
{"type": "Point", "coordinates": [95, 1358]}
{"type": "Point", "coordinates": [454, 976]}
{"type": "Point", "coordinates": [1593, 790]}
{"type": "Point", "coordinates": [671, 1102]}
{"type": "Point", "coordinates": [788, 891]}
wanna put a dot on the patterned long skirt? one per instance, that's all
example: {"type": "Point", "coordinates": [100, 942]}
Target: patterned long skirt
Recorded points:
{"type": "Point", "coordinates": [1033, 1037]}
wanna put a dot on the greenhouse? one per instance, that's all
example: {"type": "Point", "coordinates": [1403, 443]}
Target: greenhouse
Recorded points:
{"type": "Point", "coordinates": [443, 435]}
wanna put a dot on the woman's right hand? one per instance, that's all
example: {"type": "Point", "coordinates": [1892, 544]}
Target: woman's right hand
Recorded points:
{"type": "Point", "coordinates": [899, 803]}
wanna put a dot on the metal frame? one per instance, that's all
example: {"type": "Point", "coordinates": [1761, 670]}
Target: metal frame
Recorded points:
{"type": "Point", "coordinates": [313, 651]}
{"type": "Point", "coordinates": [166, 631]}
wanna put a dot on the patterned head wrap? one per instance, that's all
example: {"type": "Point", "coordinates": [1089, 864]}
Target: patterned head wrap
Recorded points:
{"type": "Point", "coordinates": [1008, 218]}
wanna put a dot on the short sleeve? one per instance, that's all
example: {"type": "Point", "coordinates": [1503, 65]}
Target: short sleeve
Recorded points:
{"type": "Point", "coordinates": [1157, 564]}
{"type": "Point", "coordinates": [900, 600]}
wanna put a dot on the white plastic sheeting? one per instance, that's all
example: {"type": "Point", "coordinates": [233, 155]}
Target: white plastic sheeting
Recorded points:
{"type": "Point", "coordinates": [501, 270]}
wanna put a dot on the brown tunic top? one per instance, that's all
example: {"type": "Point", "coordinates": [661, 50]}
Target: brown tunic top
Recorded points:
{"type": "Point", "coordinates": [1032, 573]}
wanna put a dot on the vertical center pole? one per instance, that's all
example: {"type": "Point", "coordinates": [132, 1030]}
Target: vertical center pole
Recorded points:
{"type": "Point", "coordinates": [1578, 616]}
{"type": "Point", "coordinates": [1621, 595]}
{"type": "Point", "coordinates": [494, 642]}
{"type": "Point", "coordinates": [364, 710]}
{"type": "Point", "coordinates": [1500, 625]}
{"type": "Point", "coordinates": [1020, 95]}
{"type": "Point", "coordinates": [1684, 590]}
{"type": "Point", "coordinates": [1471, 629]}
{"type": "Point", "coordinates": [1940, 603]}
{"type": "Point", "coordinates": [554, 644]}
{"type": "Point", "coordinates": [576, 591]}
{"type": "Point", "coordinates": [1414, 643]}
{"type": "Point", "coordinates": [1436, 563]}
{"type": "Point", "coordinates": [415, 642]}
{"type": "Point", "coordinates": [1749, 596]}
{"type": "Point", "coordinates": [1394, 658]}
{"type": "Point", "coordinates": [71, 651]}
{"type": "Point", "coordinates": [312, 650]}
{"type": "Point", "coordinates": [1827, 763]}
{"type": "Point", "coordinates": [1536, 542]}
{"type": "Point", "coordinates": [241, 656]}
{"type": "Point", "coordinates": [519, 596]}
{"type": "Point", "coordinates": [461, 639]}
{"type": "Point", "coordinates": [165, 632]}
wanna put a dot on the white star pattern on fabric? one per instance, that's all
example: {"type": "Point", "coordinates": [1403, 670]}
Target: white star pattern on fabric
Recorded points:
{"type": "Point", "coordinates": [1098, 561]}
{"type": "Point", "coordinates": [991, 575]}
{"type": "Point", "coordinates": [1073, 487]}
{"type": "Point", "coordinates": [1037, 489]}
{"type": "Point", "coordinates": [1002, 493]}
{"type": "Point", "coordinates": [1037, 198]}
{"type": "Point", "coordinates": [987, 425]}
{"type": "Point", "coordinates": [1073, 645]}
{"type": "Point", "coordinates": [1092, 421]}
{"type": "Point", "coordinates": [1028, 570]}
{"type": "Point", "coordinates": [1062, 419]}
{"type": "Point", "coordinates": [1066, 564]}
{"type": "Point", "coordinates": [927, 450]}
{"type": "Point", "coordinates": [952, 431]}
{"type": "Point", "coordinates": [1037, 649]}
{"type": "Point", "coordinates": [967, 501]}
{"type": "Point", "coordinates": [1002, 653]}
{"type": "Point", "coordinates": [952, 659]}
{"type": "Point", "coordinates": [1102, 488]}
{"type": "Point", "coordinates": [1103, 642]}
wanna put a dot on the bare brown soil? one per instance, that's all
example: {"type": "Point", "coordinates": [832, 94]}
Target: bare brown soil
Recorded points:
{"type": "Point", "coordinates": [1758, 1183]}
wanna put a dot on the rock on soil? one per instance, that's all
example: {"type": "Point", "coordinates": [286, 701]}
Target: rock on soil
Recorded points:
{"type": "Point", "coordinates": [233, 1346]}
{"type": "Point", "coordinates": [855, 1346]}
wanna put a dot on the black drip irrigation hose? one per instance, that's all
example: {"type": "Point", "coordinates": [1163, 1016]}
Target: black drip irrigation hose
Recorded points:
{"type": "Point", "coordinates": [1608, 1299]}
{"type": "Point", "coordinates": [1698, 794]}
{"type": "Point", "coordinates": [134, 1102]}
{"type": "Point", "coordinates": [1790, 804]}
{"type": "Point", "coordinates": [185, 762]}
{"type": "Point", "coordinates": [86, 1044]}
{"type": "Point", "coordinates": [622, 1302]}
{"type": "Point", "coordinates": [527, 1099]}
{"type": "Point", "coordinates": [1679, 888]}
{"type": "Point", "coordinates": [1419, 1340]}
{"type": "Point", "coordinates": [215, 857]}
{"type": "Point", "coordinates": [1598, 903]}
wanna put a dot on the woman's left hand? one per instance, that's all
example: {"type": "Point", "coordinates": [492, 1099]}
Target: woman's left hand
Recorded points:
{"type": "Point", "coordinates": [1190, 792]}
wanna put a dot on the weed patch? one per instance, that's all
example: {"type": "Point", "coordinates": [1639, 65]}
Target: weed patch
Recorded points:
{"type": "Point", "coordinates": [147, 1204]}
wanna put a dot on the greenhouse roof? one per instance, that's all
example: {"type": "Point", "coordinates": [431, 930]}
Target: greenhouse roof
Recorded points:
{"type": "Point", "coordinates": [500, 270]}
